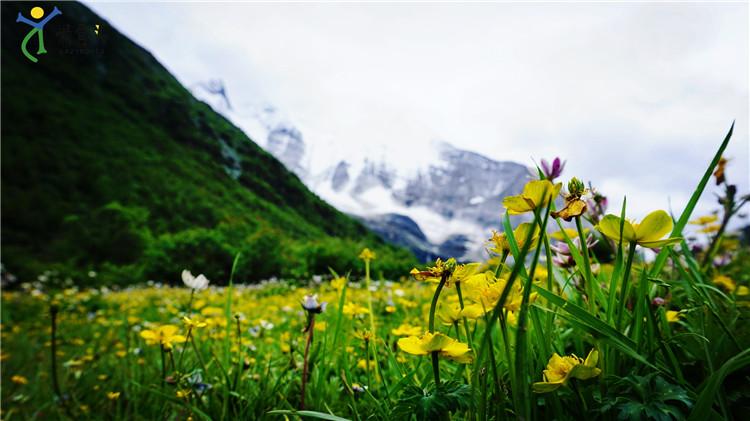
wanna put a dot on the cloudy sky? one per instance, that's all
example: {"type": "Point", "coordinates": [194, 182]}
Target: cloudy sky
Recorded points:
{"type": "Point", "coordinates": [636, 97]}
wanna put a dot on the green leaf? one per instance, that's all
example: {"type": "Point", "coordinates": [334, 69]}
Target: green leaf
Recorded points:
{"type": "Point", "coordinates": [661, 259]}
{"type": "Point", "coordinates": [702, 409]}
{"type": "Point", "coordinates": [596, 327]}
{"type": "Point", "coordinates": [433, 403]}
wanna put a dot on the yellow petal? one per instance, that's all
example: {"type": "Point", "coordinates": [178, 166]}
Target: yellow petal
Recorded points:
{"type": "Point", "coordinates": [516, 205]}
{"type": "Point", "coordinates": [412, 345]}
{"type": "Point", "coordinates": [610, 226]}
{"type": "Point", "coordinates": [168, 330]}
{"type": "Point", "coordinates": [472, 311]}
{"type": "Point", "coordinates": [149, 335]}
{"type": "Point", "coordinates": [583, 372]}
{"type": "Point", "coordinates": [592, 359]}
{"type": "Point", "coordinates": [540, 191]}
{"type": "Point", "coordinates": [436, 342]}
{"type": "Point", "coordinates": [654, 226]}
{"type": "Point", "coordinates": [522, 232]}
{"type": "Point", "coordinates": [178, 339]}
{"type": "Point", "coordinates": [571, 210]}
{"type": "Point", "coordinates": [660, 243]}
{"type": "Point", "coordinates": [545, 387]}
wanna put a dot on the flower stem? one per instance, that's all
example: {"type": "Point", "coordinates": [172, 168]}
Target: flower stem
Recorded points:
{"type": "Point", "coordinates": [198, 354]}
{"type": "Point", "coordinates": [466, 323]}
{"type": "Point", "coordinates": [587, 267]}
{"type": "Point", "coordinates": [431, 325]}
{"type": "Point", "coordinates": [433, 305]}
{"type": "Point", "coordinates": [436, 367]}
{"type": "Point", "coordinates": [163, 366]}
{"type": "Point", "coordinates": [624, 286]}
{"type": "Point", "coordinates": [306, 362]}
{"type": "Point", "coordinates": [239, 353]}
{"type": "Point", "coordinates": [182, 353]}
{"type": "Point", "coordinates": [190, 302]}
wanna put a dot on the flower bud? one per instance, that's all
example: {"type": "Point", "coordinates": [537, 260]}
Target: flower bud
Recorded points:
{"type": "Point", "coordinates": [576, 187]}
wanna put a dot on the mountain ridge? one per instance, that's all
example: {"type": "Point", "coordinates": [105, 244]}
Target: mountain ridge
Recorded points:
{"type": "Point", "coordinates": [111, 166]}
{"type": "Point", "coordinates": [453, 196]}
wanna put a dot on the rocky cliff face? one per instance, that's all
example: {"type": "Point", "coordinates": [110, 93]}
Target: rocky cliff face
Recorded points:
{"type": "Point", "coordinates": [443, 204]}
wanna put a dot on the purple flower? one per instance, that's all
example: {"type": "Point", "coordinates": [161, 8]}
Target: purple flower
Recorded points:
{"type": "Point", "coordinates": [658, 301]}
{"type": "Point", "coordinates": [722, 260]}
{"type": "Point", "coordinates": [563, 256]}
{"type": "Point", "coordinates": [552, 171]}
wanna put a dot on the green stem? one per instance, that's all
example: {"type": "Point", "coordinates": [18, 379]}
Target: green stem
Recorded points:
{"type": "Point", "coordinates": [198, 354]}
{"type": "Point", "coordinates": [433, 305]}
{"type": "Point", "coordinates": [306, 362]}
{"type": "Point", "coordinates": [466, 323]}
{"type": "Point", "coordinates": [190, 302]}
{"type": "Point", "coordinates": [500, 264]}
{"type": "Point", "coordinates": [239, 353]}
{"type": "Point", "coordinates": [436, 367]}
{"type": "Point", "coordinates": [163, 366]}
{"type": "Point", "coordinates": [431, 325]}
{"type": "Point", "coordinates": [587, 267]}
{"type": "Point", "coordinates": [624, 286]}
{"type": "Point", "coordinates": [367, 362]}
{"type": "Point", "coordinates": [182, 353]}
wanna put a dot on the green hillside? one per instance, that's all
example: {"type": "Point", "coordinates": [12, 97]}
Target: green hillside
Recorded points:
{"type": "Point", "coordinates": [110, 165]}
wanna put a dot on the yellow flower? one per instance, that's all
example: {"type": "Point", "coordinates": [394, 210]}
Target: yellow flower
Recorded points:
{"type": "Point", "coordinates": [367, 255]}
{"type": "Point", "coordinates": [710, 228]}
{"type": "Point", "coordinates": [17, 379]}
{"type": "Point", "coordinates": [354, 309]}
{"type": "Point", "coordinates": [193, 323]}
{"type": "Point", "coordinates": [165, 335]}
{"type": "Point", "coordinates": [725, 282]}
{"type": "Point", "coordinates": [446, 346]}
{"type": "Point", "coordinates": [456, 272]}
{"type": "Point", "coordinates": [500, 240]}
{"type": "Point", "coordinates": [705, 220]}
{"type": "Point", "coordinates": [113, 396]}
{"type": "Point", "coordinates": [743, 290]}
{"type": "Point", "coordinates": [574, 207]}
{"type": "Point", "coordinates": [407, 330]}
{"type": "Point", "coordinates": [338, 283]}
{"type": "Point", "coordinates": [449, 314]}
{"type": "Point", "coordinates": [362, 364]}
{"type": "Point", "coordinates": [560, 369]}
{"type": "Point", "coordinates": [647, 233]}
{"type": "Point", "coordinates": [719, 173]}
{"type": "Point", "coordinates": [570, 232]}
{"type": "Point", "coordinates": [183, 393]}
{"type": "Point", "coordinates": [390, 309]}
{"type": "Point", "coordinates": [486, 294]}
{"type": "Point", "coordinates": [366, 335]}
{"type": "Point", "coordinates": [536, 194]}
{"type": "Point", "coordinates": [673, 316]}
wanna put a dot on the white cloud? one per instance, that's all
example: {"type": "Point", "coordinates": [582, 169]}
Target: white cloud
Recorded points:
{"type": "Point", "coordinates": [635, 96]}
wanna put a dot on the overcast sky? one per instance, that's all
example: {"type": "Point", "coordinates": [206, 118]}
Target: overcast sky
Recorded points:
{"type": "Point", "coordinates": [636, 97]}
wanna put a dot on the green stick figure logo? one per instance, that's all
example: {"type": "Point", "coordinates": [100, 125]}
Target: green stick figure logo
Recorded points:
{"type": "Point", "coordinates": [37, 29]}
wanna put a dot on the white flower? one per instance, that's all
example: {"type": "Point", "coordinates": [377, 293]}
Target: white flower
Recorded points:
{"type": "Point", "coordinates": [311, 304]}
{"type": "Point", "coordinates": [195, 282]}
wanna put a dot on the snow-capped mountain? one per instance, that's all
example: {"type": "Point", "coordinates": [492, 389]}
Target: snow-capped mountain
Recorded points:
{"type": "Point", "coordinates": [437, 201]}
